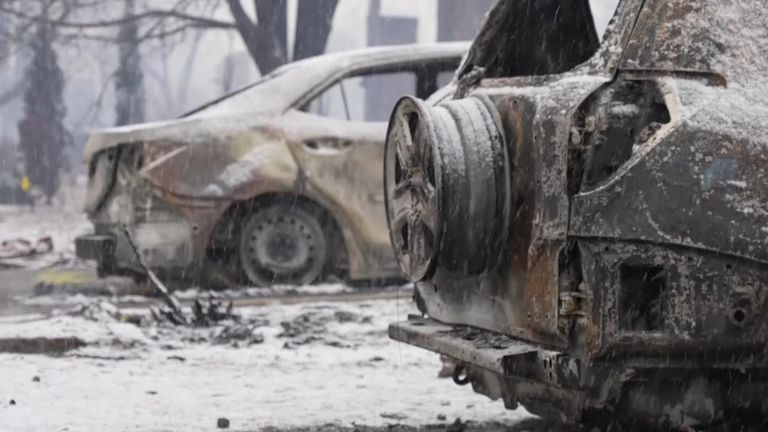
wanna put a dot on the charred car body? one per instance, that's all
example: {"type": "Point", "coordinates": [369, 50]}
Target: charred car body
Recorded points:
{"type": "Point", "coordinates": [587, 222]}
{"type": "Point", "coordinates": [279, 182]}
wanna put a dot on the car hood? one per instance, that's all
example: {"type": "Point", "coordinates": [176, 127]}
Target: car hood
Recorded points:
{"type": "Point", "coordinates": [185, 130]}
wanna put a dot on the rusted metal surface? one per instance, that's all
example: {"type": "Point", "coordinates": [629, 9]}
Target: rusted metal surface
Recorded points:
{"type": "Point", "coordinates": [635, 257]}
{"type": "Point", "coordinates": [184, 187]}
{"type": "Point", "coordinates": [50, 346]}
{"type": "Point", "coordinates": [464, 344]}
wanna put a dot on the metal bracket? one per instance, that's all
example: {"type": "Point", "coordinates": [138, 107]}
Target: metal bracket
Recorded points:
{"type": "Point", "coordinates": [572, 304]}
{"type": "Point", "coordinates": [476, 347]}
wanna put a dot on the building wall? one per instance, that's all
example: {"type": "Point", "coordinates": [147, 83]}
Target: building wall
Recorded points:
{"type": "Point", "coordinates": [459, 20]}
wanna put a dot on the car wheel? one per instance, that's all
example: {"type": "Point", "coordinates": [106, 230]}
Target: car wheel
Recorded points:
{"type": "Point", "coordinates": [283, 244]}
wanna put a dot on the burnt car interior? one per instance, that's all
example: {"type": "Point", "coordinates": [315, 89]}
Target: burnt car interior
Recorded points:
{"type": "Point", "coordinates": [536, 37]}
{"type": "Point", "coordinates": [367, 94]}
{"type": "Point", "coordinates": [628, 113]}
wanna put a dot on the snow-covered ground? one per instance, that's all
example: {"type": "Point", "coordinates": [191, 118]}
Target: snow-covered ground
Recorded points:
{"type": "Point", "coordinates": [311, 363]}
{"type": "Point", "coordinates": [62, 221]}
{"type": "Point", "coordinates": [318, 363]}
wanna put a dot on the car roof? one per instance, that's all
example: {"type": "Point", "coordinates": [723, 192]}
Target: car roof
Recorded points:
{"type": "Point", "coordinates": [279, 90]}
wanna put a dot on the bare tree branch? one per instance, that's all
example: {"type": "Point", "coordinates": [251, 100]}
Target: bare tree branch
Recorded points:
{"type": "Point", "coordinates": [266, 51]}
{"type": "Point", "coordinates": [198, 21]}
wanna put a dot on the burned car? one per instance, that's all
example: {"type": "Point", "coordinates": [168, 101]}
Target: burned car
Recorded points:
{"type": "Point", "coordinates": [277, 183]}
{"type": "Point", "coordinates": [586, 219]}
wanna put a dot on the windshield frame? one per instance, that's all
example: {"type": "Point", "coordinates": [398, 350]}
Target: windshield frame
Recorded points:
{"type": "Point", "coordinates": [261, 80]}
{"type": "Point", "coordinates": [604, 61]}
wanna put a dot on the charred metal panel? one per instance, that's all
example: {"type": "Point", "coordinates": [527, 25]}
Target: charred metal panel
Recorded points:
{"type": "Point", "coordinates": [635, 258]}
{"type": "Point", "coordinates": [705, 302]}
{"type": "Point", "coordinates": [544, 45]}
{"type": "Point", "coordinates": [339, 165]}
{"type": "Point", "coordinates": [225, 168]}
{"type": "Point", "coordinates": [486, 48]}
{"type": "Point", "coordinates": [689, 187]}
{"type": "Point", "coordinates": [520, 295]}
{"type": "Point", "coordinates": [722, 37]}
{"type": "Point", "coordinates": [483, 349]}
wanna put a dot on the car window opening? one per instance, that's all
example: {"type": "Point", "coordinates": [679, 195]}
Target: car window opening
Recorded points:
{"type": "Point", "coordinates": [541, 37]}
{"type": "Point", "coordinates": [364, 97]}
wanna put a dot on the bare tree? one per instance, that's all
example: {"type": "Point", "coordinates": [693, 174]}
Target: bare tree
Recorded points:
{"type": "Point", "coordinates": [266, 38]}
{"type": "Point", "coordinates": [313, 26]}
{"type": "Point", "coordinates": [42, 135]}
{"type": "Point", "coordinates": [265, 35]}
{"type": "Point", "coordinates": [129, 81]}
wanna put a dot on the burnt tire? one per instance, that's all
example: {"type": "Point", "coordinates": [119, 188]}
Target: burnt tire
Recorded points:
{"type": "Point", "coordinates": [447, 185]}
{"type": "Point", "coordinates": [284, 243]}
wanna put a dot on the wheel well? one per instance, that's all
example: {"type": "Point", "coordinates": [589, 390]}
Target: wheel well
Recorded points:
{"type": "Point", "coordinates": [226, 230]}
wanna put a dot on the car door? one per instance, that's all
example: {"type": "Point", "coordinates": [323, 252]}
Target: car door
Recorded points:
{"type": "Point", "coordinates": [342, 147]}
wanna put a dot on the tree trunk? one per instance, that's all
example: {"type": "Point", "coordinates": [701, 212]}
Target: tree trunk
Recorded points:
{"type": "Point", "coordinates": [313, 26]}
{"type": "Point", "coordinates": [266, 38]}
{"type": "Point", "coordinates": [42, 136]}
{"type": "Point", "coordinates": [130, 98]}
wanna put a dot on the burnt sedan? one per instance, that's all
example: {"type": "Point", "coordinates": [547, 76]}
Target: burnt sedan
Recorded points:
{"type": "Point", "coordinates": [586, 220]}
{"type": "Point", "coordinates": [277, 183]}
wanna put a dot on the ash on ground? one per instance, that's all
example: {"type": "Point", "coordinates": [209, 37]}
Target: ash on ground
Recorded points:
{"type": "Point", "coordinates": [287, 366]}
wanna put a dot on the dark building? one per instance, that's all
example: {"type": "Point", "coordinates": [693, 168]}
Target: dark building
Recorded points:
{"type": "Point", "coordinates": [460, 19]}
{"type": "Point", "coordinates": [386, 30]}
{"type": "Point", "coordinates": [390, 30]}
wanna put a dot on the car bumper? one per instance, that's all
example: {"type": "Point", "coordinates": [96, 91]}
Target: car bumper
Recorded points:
{"type": "Point", "coordinates": [163, 245]}
{"type": "Point", "coordinates": [98, 247]}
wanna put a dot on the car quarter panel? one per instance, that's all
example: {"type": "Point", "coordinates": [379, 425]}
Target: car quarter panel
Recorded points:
{"type": "Point", "coordinates": [340, 165]}
{"type": "Point", "coordinates": [336, 164]}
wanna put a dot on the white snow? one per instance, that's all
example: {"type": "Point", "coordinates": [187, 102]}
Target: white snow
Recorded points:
{"type": "Point", "coordinates": [65, 326]}
{"type": "Point", "coordinates": [272, 291]}
{"type": "Point", "coordinates": [62, 221]}
{"type": "Point", "coordinates": [166, 382]}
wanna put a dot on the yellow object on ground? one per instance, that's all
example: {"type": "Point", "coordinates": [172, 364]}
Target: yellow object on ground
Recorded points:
{"type": "Point", "coordinates": [67, 277]}
{"type": "Point", "coordinates": [26, 184]}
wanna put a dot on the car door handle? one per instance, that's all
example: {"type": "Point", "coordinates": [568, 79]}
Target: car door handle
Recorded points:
{"type": "Point", "coordinates": [331, 144]}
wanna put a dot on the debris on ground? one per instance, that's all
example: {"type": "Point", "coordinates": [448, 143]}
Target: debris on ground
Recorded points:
{"type": "Point", "coordinates": [204, 313]}
{"type": "Point", "coordinates": [393, 416]}
{"type": "Point", "coordinates": [240, 334]}
{"type": "Point", "coordinates": [21, 247]}
{"type": "Point", "coordinates": [457, 426]}
{"type": "Point", "coordinates": [69, 282]}
{"type": "Point", "coordinates": [220, 369]}
{"type": "Point", "coordinates": [308, 323]}
{"type": "Point", "coordinates": [346, 316]}
{"type": "Point", "coordinates": [313, 326]}
{"type": "Point", "coordinates": [99, 311]}
{"type": "Point", "coordinates": [39, 345]}
{"type": "Point", "coordinates": [222, 423]}
{"type": "Point", "coordinates": [535, 425]}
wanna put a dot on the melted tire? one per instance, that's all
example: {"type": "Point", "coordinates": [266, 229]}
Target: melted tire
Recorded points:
{"type": "Point", "coordinates": [299, 223]}
{"type": "Point", "coordinates": [458, 151]}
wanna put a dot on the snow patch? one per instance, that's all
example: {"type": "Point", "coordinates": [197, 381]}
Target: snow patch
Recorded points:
{"type": "Point", "coordinates": [351, 373]}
